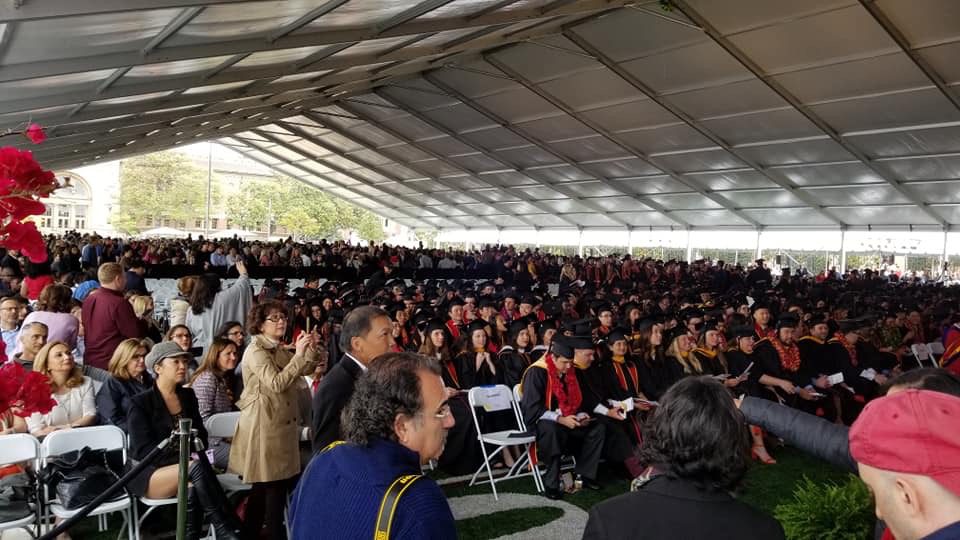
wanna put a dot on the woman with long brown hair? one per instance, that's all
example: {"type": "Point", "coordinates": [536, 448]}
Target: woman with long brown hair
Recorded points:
{"type": "Point", "coordinates": [657, 372]}
{"type": "Point", "coordinates": [213, 384]}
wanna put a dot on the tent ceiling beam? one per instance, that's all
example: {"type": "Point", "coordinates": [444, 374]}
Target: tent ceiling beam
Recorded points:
{"type": "Point", "coordinates": [783, 182]}
{"type": "Point", "coordinates": [302, 133]}
{"type": "Point", "coordinates": [280, 142]}
{"type": "Point", "coordinates": [31, 10]}
{"type": "Point", "coordinates": [751, 66]}
{"type": "Point", "coordinates": [383, 171]}
{"type": "Point", "coordinates": [613, 138]}
{"type": "Point", "coordinates": [308, 39]}
{"type": "Point", "coordinates": [502, 122]}
{"type": "Point", "coordinates": [897, 36]}
{"type": "Point", "coordinates": [440, 157]}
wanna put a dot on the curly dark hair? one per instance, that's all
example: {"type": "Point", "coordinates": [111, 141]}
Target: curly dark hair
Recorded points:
{"type": "Point", "coordinates": [698, 434]}
{"type": "Point", "coordinates": [390, 386]}
{"type": "Point", "coordinates": [258, 315]}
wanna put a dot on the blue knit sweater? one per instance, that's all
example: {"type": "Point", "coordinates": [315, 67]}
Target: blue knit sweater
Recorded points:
{"type": "Point", "coordinates": [340, 493]}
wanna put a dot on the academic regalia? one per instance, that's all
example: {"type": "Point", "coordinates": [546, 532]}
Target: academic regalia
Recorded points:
{"type": "Point", "coordinates": [657, 373]}
{"type": "Point", "coordinates": [512, 359]}
{"type": "Point", "coordinates": [845, 359]}
{"type": "Point", "coordinates": [617, 445]}
{"type": "Point", "coordinates": [710, 361]}
{"type": "Point", "coordinates": [738, 362]}
{"type": "Point", "coordinates": [537, 353]}
{"type": "Point", "coordinates": [513, 362]}
{"type": "Point", "coordinates": [541, 409]}
{"type": "Point", "coordinates": [461, 455]}
{"type": "Point", "coordinates": [813, 356]}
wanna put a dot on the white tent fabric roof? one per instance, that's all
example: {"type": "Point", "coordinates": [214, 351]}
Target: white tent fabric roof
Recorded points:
{"type": "Point", "coordinates": [522, 113]}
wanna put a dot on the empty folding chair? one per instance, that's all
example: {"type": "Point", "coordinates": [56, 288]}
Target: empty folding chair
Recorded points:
{"type": "Point", "coordinates": [21, 448]}
{"type": "Point", "coordinates": [494, 399]}
{"type": "Point", "coordinates": [936, 352]}
{"type": "Point", "coordinates": [224, 426]}
{"type": "Point", "coordinates": [98, 437]}
{"type": "Point", "coordinates": [921, 353]}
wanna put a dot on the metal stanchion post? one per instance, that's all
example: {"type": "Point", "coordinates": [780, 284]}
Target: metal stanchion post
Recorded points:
{"type": "Point", "coordinates": [186, 425]}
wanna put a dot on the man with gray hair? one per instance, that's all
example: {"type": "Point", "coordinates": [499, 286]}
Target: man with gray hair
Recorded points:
{"type": "Point", "coordinates": [33, 336]}
{"type": "Point", "coordinates": [366, 334]}
{"type": "Point", "coordinates": [370, 486]}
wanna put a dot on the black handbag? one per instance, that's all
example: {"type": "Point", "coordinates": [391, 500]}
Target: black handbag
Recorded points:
{"type": "Point", "coordinates": [16, 495]}
{"type": "Point", "coordinates": [79, 476]}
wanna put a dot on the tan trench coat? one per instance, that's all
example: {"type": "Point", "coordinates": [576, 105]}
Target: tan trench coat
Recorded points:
{"type": "Point", "coordinates": [266, 444]}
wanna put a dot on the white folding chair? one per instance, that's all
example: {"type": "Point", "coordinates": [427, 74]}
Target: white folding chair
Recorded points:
{"type": "Point", "coordinates": [494, 399]}
{"type": "Point", "coordinates": [936, 352]}
{"type": "Point", "coordinates": [224, 426]}
{"type": "Point", "coordinates": [921, 352]}
{"type": "Point", "coordinates": [21, 448]}
{"type": "Point", "coordinates": [107, 438]}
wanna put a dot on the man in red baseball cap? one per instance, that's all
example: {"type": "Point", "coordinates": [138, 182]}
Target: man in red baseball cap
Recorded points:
{"type": "Point", "coordinates": [907, 446]}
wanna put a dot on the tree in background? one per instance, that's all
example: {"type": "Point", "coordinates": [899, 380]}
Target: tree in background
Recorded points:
{"type": "Point", "coordinates": [158, 187]}
{"type": "Point", "coordinates": [304, 211]}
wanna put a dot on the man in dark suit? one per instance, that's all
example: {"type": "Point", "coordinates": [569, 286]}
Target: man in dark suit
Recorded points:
{"type": "Point", "coordinates": [700, 459]}
{"type": "Point", "coordinates": [366, 334]}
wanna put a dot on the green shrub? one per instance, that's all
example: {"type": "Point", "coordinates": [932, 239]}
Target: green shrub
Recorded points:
{"type": "Point", "coordinates": [828, 511]}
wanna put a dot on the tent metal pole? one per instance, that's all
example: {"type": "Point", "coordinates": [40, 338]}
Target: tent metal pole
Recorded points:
{"type": "Point", "coordinates": [689, 248]}
{"type": "Point", "coordinates": [757, 251]}
{"type": "Point", "coordinates": [579, 242]}
{"type": "Point", "coordinates": [843, 251]}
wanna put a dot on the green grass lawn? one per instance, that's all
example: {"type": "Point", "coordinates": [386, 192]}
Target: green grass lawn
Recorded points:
{"type": "Point", "coordinates": [765, 487]}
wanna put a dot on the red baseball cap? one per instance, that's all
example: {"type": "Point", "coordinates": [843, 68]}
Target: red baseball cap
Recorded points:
{"type": "Point", "coordinates": [913, 432]}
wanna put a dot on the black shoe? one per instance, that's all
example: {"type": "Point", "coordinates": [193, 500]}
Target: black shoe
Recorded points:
{"type": "Point", "coordinates": [589, 484]}
{"type": "Point", "coordinates": [553, 494]}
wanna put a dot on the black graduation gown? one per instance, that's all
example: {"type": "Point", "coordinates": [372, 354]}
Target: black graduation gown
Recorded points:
{"type": "Point", "coordinates": [593, 386]}
{"type": "Point", "coordinates": [814, 360]}
{"type": "Point", "coordinates": [470, 376]}
{"type": "Point", "coordinates": [621, 382]}
{"type": "Point", "coordinates": [657, 374]}
{"type": "Point", "coordinates": [512, 363]}
{"type": "Point", "coordinates": [537, 353]}
{"type": "Point", "coordinates": [851, 368]}
{"type": "Point", "coordinates": [738, 362]}
{"type": "Point", "coordinates": [709, 361]}
{"type": "Point", "coordinates": [461, 455]}
{"type": "Point", "coordinates": [553, 439]}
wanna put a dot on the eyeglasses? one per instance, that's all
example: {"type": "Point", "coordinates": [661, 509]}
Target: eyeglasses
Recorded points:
{"type": "Point", "coordinates": [235, 333]}
{"type": "Point", "coordinates": [277, 318]}
{"type": "Point", "coordinates": [444, 412]}
{"type": "Point", "coordinates": [180, 336]}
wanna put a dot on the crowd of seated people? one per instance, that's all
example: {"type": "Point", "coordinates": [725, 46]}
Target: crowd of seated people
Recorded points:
{"type": "Point", "coordinates": [591, 360]}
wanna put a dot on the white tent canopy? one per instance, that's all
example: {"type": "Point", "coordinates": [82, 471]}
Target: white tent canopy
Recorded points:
{"type": "Point", "coordinates": [510, 114]}
{"type": "Point", "coordinates": [163, 232]}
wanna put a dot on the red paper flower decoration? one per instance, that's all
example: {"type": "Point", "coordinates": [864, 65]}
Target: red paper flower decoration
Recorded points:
{"type": "Point", "coordinates": [23, 182]}
{"type": "Point", "coordinates": [35, 133]}
{"type": "Point", "coordinates": [24, 392]}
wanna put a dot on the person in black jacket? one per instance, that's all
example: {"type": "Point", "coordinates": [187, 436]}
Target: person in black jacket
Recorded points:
{"type": "Point", "coordinates": [698, 460]}
{"type": "Point", "coordinates": [128, 377]}
{"type": "Point", "coordinates": [154, 414]}
{"type": "Point", "coordinates": [366, 334]}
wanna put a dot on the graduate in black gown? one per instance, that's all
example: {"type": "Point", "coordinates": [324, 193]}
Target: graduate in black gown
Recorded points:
{"type": "Point", "coordinates": [461, 455]}
{"type": "Point", "coordinates": [546, 329]}
{"type": "Point", "coordinates": [476, 364]}
{"type": "Point", "coordinates": [621, 443]}
{"type": "Point", "coordinates": [656, 371]}
{"type": "Point", "coordinates": [551, 403]}
{"type": "Point", "coordinates": [740, 359]}
{"type": "Point", "coordinates": [513, 356]}
{"type": "Point", "coordinates": [818, 365]}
